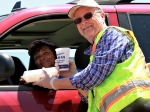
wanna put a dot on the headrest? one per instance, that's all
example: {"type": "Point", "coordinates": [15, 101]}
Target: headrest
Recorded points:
{"type": "Point", "coordinates": [7, 66]}
{"type": "Point", "coordinates": [82, 60]}
{"type": "Point", "coordinates": [32, 65]}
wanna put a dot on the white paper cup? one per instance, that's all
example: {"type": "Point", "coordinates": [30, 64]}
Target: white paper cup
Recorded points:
{"type": "Point", "coordinates": [63, 58]}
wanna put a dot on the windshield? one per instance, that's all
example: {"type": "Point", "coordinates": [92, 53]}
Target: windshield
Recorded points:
{"type": "Point", "coordinates": [2, 17]}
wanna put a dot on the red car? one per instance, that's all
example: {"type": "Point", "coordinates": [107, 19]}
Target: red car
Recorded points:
{"type": "Point", "coordinates": [19, 28]}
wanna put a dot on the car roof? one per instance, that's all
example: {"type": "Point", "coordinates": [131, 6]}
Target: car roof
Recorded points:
{"type": "Point", "coordinates": [23, 26]}
{"type": "Point", "coordinates": [115, 2]}
{"type": "Point", "coordinates": [51, 22]}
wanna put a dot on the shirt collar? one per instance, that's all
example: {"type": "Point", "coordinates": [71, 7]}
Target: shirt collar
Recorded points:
{"type": "Point", "coordinates": [89, 49]}
{"type": "Point", "coordinates": [105, 26]}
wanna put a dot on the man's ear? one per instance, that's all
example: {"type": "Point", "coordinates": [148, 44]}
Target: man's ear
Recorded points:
{"type": "Point", "coordinates": [103, 15]}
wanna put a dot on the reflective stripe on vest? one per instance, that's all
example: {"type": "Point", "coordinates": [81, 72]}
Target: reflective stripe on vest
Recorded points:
{"type": "Point", "coordinates": [128, 81]}
{"type": "Point", "coordinates": [126, 89]}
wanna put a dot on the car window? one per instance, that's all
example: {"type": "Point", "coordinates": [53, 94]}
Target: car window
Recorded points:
{"type": "Point", "coordinates": [140, 24]}
{"type": "Point", "coordinates": [72, 53]}
{"type": "Point", "coordinates": [22, 54]}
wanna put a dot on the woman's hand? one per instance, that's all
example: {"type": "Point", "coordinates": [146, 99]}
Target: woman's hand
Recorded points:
{"type": "Point", "coordinates": [22, 81]}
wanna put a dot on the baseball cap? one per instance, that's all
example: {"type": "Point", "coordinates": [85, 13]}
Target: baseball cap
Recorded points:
{"type": "Point", "coordinates": [38, 41]}
{"type": "Point", "coordinates": [83, 3]}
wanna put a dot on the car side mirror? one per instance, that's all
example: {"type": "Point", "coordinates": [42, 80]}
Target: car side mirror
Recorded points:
{"type": "Point", "coordinates": [7, 66]}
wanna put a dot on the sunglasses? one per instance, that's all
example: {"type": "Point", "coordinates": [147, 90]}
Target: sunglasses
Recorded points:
{"type": "Point", "coordinates": [86, 16]}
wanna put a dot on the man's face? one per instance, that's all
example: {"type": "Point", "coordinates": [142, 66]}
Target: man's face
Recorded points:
{"type": "Point", "coordinates": [44, 58]}
{"type": "Point", "coordinates": [89, 28]}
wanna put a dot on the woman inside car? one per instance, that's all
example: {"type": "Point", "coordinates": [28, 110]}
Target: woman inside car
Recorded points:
{"type": "Point", "coordinates": [42, 54]}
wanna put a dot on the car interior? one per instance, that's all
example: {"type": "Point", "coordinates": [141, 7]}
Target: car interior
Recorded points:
{"type": "Point", "coordinates": [19, 69]}
{"type": "Point", "coordinates": [7, 67]}
{"type": "Point", "coordinates": [57, 27]}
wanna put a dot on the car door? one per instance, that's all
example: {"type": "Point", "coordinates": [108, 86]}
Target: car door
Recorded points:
{"type": "Point", "coordinates": [136, 17]}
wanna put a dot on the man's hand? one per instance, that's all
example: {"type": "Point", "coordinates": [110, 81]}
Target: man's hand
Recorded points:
{"type": "Point", "coordinates": [45, 81]}
{"type": "Point", "coordinates": [148, 65]}
{"type": "Point", "coordinates": [72, 69]}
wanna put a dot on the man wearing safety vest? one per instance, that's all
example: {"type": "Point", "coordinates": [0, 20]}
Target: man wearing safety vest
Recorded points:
{"type": "Point", "coordinates": [117, 78]}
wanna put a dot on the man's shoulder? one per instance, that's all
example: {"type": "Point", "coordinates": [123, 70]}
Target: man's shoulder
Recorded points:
{"type": "Point", "coordinates": [110, 32]}
{"type": "Point", "coordinates": [113, 29]}
{"type": "Point", "coordinates": [110, 35]}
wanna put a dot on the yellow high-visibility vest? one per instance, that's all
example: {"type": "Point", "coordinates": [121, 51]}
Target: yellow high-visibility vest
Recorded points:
{"type": "Point", "coordinates": [128, 81]}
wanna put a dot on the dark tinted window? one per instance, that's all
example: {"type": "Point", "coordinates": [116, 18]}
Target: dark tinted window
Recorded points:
{"type": "Point", "coordinates": [140, 24]}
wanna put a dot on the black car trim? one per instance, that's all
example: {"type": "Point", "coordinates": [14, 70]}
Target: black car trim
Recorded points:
{"type": "Point", "coordinates": [124, 20]}
{"type": "Point", "coordinates": [31, 19]}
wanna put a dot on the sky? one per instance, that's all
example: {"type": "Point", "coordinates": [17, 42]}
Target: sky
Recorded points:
{"type": "Point", "coordinates": [7, 5]}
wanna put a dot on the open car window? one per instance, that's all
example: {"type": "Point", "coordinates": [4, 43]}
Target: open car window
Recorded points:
{"type": "Point", "coordinates": [22, 54]}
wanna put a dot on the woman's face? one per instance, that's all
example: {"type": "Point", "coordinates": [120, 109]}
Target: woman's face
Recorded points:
{"type": "Point", "coordinates": [44, 58]}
